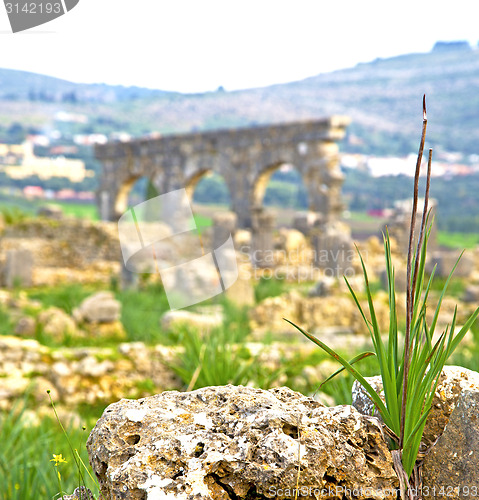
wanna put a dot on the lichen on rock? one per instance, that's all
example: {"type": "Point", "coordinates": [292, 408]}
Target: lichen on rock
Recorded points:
{"type": "Point", "coordinates": [235, 442]}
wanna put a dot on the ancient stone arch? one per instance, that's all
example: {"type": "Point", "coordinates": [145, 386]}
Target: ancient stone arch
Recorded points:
{"type": "Point", "coordinates": [245, 157]}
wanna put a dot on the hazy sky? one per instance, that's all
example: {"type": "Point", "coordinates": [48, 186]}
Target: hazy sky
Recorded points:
{"type": "Point", "coordinates": [198, 45]}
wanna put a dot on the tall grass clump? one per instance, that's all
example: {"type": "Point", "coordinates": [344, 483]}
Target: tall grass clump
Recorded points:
{"type": "Point", "coordinates": [29, 442]}
{"type": "Point", "coordinates": [220, 355]}
{"type": "Point", "coordinates": [410, 369]}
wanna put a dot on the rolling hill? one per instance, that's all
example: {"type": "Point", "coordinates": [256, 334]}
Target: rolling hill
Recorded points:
{"type": "Point", "coordinates": [383, 98]}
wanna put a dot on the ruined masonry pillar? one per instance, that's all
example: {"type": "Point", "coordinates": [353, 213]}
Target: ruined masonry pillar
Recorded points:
{"type": "Point", "coordinates": [264, 224]}
{"type": "Point", "coordinates": [224, 225]}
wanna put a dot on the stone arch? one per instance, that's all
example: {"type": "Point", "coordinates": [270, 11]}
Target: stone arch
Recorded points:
{"type": "Point", "coordinates": [202, 176]}
{"type": "Point", "coordinates": [261, 184]}
{"type": "Point", "coordinates": [239, 155]}
{"type": "Point", "coordinates": [122, 202]}
{"type": "Point", "coordinates": [193, 180]}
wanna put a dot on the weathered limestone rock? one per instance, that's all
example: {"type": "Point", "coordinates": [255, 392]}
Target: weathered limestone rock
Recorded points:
{"type": "Point", "coordinates": [241, 292]}
{"type": "Point", "coordinates": [305, 221]}
{"type": "Point", "coordinates": [25, 326]}
{"type": "Point", "coordinates": [292, 241]}
{"type": "Point", "coordinates": [83, 374]}
{"type": "Point", "coordinates": [242, 240]}
{"type": "Point", "coordinates": [471, 294]}
{"type": "Point", "coordinates": [334, 252]}
{"type": "Point", "coordinates": [113, 331]}
{"type": "Point", "coordinates": [452, 382]}
{"type": "Point", "coordinates": [207, 320]}
{"type": "Point", "coordinates": [451, 468]}
{"type": "Point", "coordinates": [445, 261]}
{"type": "Point", "coordinates": [69, 243]}
{"type": "Point", "coordinates": [238, 442]}
{"type": "Point", "coordinates": [101, 307]}
{"type": "Point", "coordinates": [315, 313]}
{"type": "Point", "coordinates": [57, 323]}
{"type": "Point", "coordinates": [323, 287]}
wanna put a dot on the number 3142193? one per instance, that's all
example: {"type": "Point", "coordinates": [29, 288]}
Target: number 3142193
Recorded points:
{"type": "Point", "coordinates": [34, 8]}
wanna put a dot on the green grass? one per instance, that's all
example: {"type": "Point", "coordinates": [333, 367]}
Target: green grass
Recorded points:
{"type": "Point", "coordinates": [269, 288]}
{"type": "Point", "coordinates": [79, 210]}
{"type": "Point", "coordinates": [6, 323]}
{"type": "Point", "coordinates": [26, 472]}
{"type": "Point", "coordinates": [18, 205]}
{"type": "Point", "coordinates": [457, 240]}
{"type": "Point", "coordinates": [217, 358]}
{"type": "Point", "coordinates": [455, 288]}
{"type": "Point", "coordinates": [361, 217]}
{"type": "Point", "coordinates": [65, 296]}
{"type": "Point", "coordinates": [141, 314]}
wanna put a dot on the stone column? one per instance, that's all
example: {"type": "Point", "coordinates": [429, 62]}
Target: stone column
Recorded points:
{"type": "Point", "coordinates": [104, 205]}
{"type": "Point", "coordinates": [264, 224]}
{"type": "Point", "coordinates": [224, 225]}
{"type": "Point", "coordinates": [324, 180]}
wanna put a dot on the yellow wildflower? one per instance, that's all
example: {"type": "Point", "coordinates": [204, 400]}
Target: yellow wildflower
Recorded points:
{"type": "Point", "coordinates": [58, 459]}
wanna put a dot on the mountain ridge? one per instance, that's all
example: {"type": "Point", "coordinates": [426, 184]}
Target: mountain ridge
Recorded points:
{"type": "Point", "coordinates": [383, 98]}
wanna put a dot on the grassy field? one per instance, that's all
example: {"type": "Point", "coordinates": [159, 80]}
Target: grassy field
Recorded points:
{"type": "Point", "coordinates": [457, 240]}
{"type": "Point", "coordinates": [30, 441]}
{"type": "Point", "coordinates": [17, 204]}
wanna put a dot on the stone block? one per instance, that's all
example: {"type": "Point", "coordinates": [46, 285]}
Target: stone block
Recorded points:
{"type": "Point", "coordinates": [451, 468]}
{"type": "Point", "coordinates": [452, 382]}
{"type": "Point", "coordinates": [445, 261]}
{"type": "Point", "coordinates": [238, 442]}
{"type": "Point", "coordinates": [333, 250]}
{"type": "Point", "coordinates": [305, 221]}
{"type": "Point", "coordinates": [18, 268]}
{"type": "Point", "coordinates": [101, 307]}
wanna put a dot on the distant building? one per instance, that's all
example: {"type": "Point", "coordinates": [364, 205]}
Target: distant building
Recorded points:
{"type": "Point", "coordinates": [33, 192]}
{"type": "Point", "coordinates": [19, 162]}
{"type": "Point", "coordinates": [64, 116]}
{"type": "Point", "coordinates": [90, 139]}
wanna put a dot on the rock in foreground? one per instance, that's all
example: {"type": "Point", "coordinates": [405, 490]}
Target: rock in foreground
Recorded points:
{"type": "Point", "coordinates": [236, 443]}
{"type": "Point", "coordinates": [451, 468]}
{"type": "Point", "coordinates": [452, 382]}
